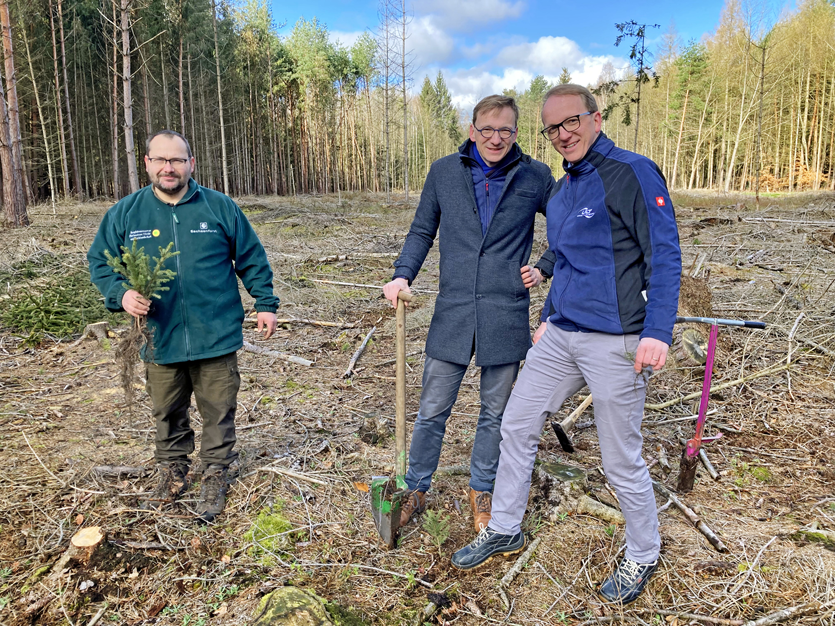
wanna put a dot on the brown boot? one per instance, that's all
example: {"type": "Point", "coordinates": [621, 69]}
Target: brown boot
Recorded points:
{"type": "Point", "coordinates": [481, 504]}
{"type": "Point", "coordinates": [414, 502]}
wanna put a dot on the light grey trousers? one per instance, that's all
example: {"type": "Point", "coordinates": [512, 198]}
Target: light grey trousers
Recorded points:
{"type": "Point", "coordinates": [559, 365]}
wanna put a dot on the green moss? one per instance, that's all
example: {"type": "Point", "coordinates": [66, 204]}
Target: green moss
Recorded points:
{"type": "Point", "coordinates": [762, 474]}
{"type": "Point", "coordinates": [269, 533]}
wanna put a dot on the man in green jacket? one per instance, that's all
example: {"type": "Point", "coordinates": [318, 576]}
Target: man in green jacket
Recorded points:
{"type": "Point", "coordinates": [196, 324]}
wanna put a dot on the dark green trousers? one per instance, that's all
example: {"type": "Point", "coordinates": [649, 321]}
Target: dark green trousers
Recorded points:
{"type": "Point", "coordinates": [215, 383]}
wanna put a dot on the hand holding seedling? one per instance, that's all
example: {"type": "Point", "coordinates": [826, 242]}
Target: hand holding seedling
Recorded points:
{"type": "Point", "coordinates": [135, 304]}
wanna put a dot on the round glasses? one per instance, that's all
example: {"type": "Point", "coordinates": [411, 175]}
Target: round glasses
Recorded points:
{"type": "Point", "coordinates": [504, 133]}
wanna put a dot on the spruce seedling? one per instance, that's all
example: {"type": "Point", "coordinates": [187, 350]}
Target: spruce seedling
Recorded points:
{"type": "Point", "coordinates": [135, 266]}
{"type": "Point", "coordinates": [437, 525]}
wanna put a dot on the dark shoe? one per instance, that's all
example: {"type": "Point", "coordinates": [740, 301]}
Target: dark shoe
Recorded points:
{"type": "Point", "coordinates": [213, 488]}
{"type": "Point", "coordinates": [488, 544]}
{"type": "Point", "coordinates": [413, 503]}
{"type": "Point", "coordinates": [481, 504]}
{"type": "Point", "coordinates": [627, 582]}
{"type": "Point", "coordinates": [173, 483]}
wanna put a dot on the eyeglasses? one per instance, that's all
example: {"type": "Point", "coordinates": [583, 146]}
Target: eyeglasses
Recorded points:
{"type": "Point", "coordinates": [570, 125]}
{"type": "Point", "coordinates": [174, 162]}
{"type": "Point", "coordinates": [504, 133]}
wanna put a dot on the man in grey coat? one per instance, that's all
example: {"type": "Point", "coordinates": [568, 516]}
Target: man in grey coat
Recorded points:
{"type": "Point", "coordinates": [481, 202]}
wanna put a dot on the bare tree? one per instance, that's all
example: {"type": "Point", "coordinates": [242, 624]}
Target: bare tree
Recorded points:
{"type": "Point", "coordinates": [76, 173]}
{"type": "Point", "coordinates": [220, 105]}
{"type": "Point", "coordinates": [45, 134]}
{"type": "Point", "coordinates": [14, 115]}
{"type": "Point", "coordinates": [130, 150]}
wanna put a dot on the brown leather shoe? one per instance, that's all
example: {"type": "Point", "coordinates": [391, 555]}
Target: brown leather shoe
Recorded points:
{"type": "Point", "coordinates": [481, 504]}
{"type": "Point", "coordinates": [414, 502]}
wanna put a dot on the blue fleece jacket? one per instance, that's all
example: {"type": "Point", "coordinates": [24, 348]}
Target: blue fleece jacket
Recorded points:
{"type": "Point", "coordinates": [612, 228]}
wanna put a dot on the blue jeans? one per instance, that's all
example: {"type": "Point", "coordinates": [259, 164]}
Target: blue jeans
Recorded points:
{"type": "Point", "coordinates": [441, 381]}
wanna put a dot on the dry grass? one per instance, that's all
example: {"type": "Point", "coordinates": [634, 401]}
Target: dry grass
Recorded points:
{"type": "Point", "coordinates": [63, 415]}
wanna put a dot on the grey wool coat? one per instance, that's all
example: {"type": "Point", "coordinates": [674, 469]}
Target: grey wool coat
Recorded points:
{"type": "Point", "coordinates": [482, 301]}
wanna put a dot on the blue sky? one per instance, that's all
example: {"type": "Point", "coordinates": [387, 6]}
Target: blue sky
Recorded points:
{"type": "Point", "coordinates": [484, 46]}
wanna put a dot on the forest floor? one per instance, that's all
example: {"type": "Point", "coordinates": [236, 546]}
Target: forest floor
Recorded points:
{"type": "Point", "coordinates": [63, 415]}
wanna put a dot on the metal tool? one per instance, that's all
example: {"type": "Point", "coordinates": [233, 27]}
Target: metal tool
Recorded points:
{"type": "Point", "coordinates": [561, 429]}
{"type": "Point", "coordinates": [690, 454]}
{"type": "Point", "coordinates": [387, 493]}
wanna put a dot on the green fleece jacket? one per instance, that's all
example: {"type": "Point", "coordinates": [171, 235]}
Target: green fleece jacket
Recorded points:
{"type": "Point", "coordinates": [200, 316]}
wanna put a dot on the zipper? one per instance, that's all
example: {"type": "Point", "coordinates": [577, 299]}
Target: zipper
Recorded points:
{"type": "Point", "coordinates": [559, 236]}
{"type": "Point", "coordinates": [180, 297]}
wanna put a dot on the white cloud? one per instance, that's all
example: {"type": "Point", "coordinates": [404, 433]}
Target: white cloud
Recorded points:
{"type": "Point", "coordinates": [347, 39]}
{"type": "Point", "coordinates": [429, 43]}
{"type": "Point", "coordinates": [465, 15]}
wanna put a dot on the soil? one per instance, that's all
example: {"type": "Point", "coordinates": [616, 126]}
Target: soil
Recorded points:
{"type": "Point", "coordinates": [63, 415]}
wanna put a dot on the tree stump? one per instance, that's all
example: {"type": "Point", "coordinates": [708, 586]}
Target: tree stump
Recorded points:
{"type": "Point", "coordinates": [689, 343]}
{"type": "Point", "coordinates": [87, 547]}
{"type": "Point", "coordinates": [565, 490]}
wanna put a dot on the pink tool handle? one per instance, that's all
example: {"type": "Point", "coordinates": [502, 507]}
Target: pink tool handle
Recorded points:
{"type": "Point", "coordinates": [696, 442]}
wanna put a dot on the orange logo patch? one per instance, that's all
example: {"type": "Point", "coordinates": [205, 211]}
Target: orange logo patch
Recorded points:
{"type": "Point", "coordinates": [659, 201]}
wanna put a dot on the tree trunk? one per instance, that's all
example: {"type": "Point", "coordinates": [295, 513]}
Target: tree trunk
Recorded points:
{"type": "Point", "coordinates": [76, 175]}
{"type": "Point", "coordinates": [164, 81]}
{"type": "Point", "coordinates": [114, 111]}
{"type": "Point", "coordinates": [680, 134]}
{"type": "Point", "coordinates": [62, 143]}
{"type": "Point", "coordinates": [46, 141]}
{"type": "Point", "coordinates": [14, 115]}
{"type": "Point", "coordinates": [14, 218]}
{"type": "Point", "coordinates": [130, 149]}
{"type": "Point", "coordinates": [405, 101]}
{"type": "Point", "coordinates": [220, 104]}
{"type": "Point", "coordinates": [182, 98]}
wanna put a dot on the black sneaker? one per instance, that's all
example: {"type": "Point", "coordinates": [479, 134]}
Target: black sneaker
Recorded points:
{"type": "Point", "coordinates": [627, 582]}
{"type": "Point", "coordinates": [173, 483]}
{"type": "Point", "coordinates": [213, 488]}
{"type": "Point", "coordinates": [488, 544]}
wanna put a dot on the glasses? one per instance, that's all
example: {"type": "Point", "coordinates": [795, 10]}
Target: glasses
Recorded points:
{"type": "Point", "coordinates": [570, 125]}
{"type": "Point", "coordinates": [504, 133]}
{"type": "Point", "coordinates": [174, 162]}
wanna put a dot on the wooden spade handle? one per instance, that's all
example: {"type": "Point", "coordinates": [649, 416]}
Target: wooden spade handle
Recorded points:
{"type": "Point", "coordinates": [400, 386]}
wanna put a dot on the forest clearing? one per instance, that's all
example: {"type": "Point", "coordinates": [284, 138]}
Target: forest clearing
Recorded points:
{"type": "Point", "coordinates": [296, 516]}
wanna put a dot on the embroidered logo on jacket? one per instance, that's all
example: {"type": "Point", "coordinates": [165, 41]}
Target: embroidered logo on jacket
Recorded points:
{"type": "Point", "coordinates": [587, 213]}
{"type": "Point", "coordinates": [204, 228]}
{"type": "Point", "coordinates": [659, 201]}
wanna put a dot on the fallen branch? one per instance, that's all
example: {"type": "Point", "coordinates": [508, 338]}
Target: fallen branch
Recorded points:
{"type": "Point", "coordinates": [355, 255]}
{"type": "Point", "coordinates": [249, 347]}
{"type": "Point", "coordinates": [721, 621]}
{"type": "Point", "coordinates": [514, 571]}
{"type": "Point", "coordinates": [296, 320]}
{"type": "Point", "coordinates": [358, 353]}
{"type": "Point", "coordinates": [292, 474]}
{"type": "Point", "coordinates": [119, 470]}
{"type": "Point", "coordinates": [766, 372]}
{"type": "Point", "coordinates": [691, 515]}
{"type": "Point", "coordinates": [782, 616]}
{"type": "Point", "coordinates": [587, 506]}
{"type": "Point", "coordinates": [380, 287]}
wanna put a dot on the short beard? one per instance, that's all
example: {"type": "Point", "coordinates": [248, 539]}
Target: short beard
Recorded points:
{"type": "Point", "coordinates": [170, 192]}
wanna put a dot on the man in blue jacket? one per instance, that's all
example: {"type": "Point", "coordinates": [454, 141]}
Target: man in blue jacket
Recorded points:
{"type": "Point", "coordinates": [607, 323]}
{"type": "Point", "coordinates": [481, 203]}
{"type": "Point", "coordinates": [196, 325]}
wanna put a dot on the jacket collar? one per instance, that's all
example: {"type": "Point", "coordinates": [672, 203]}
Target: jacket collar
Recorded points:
{"type": "Point", "coordinates": [191, 192]}
{"type": "Point", "coordinates": [598, 152]}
